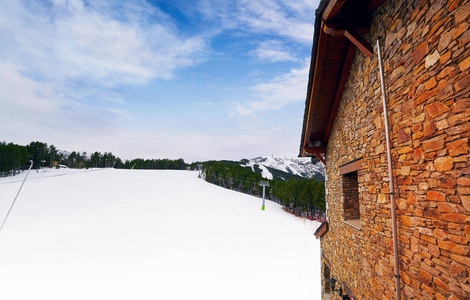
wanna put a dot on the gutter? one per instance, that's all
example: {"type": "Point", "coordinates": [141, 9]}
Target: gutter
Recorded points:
{"type": "Point", "coordinates": [390, 174]}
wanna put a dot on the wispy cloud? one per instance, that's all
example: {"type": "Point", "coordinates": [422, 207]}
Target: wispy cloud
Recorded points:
{"type": "Point", "coordinates": [274, 51]}
{"type": "Point", "coordinates": [276, 93]}
{"type": "Point", "coordinates": [289, 19]}
{"type": "Point", "coordinates": [102, 42]}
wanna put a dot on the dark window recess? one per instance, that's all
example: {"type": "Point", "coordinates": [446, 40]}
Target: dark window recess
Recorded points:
{"type": "Point", "coordinates": [351, 196]}
{"type": "Point", "coordinates": [326, 279]}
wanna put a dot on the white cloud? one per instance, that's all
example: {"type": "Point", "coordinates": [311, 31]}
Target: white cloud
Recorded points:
{"type": "Point", "coordinates": [103, 42]}
{"type": "Point", "coordinates": [276, 93]}
{"type": "Point", "coordinates": [274, 51]}
{"type": "Point", "coordinates": [286, 18]}
{"type": "Point", "coordinates": [32, 110]}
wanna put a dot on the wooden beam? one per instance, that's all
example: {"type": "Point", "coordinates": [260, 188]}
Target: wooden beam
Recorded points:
{"type": "Point", "coordinates": [321, 49]}
{"type": "Point", "coordinates": [353, 166]}
{"type": "Point", "coordinates": [317, 151]}
{"type": "Point", "coordinates": [321, 158]}
{"type": "Point", "coordinates": [313, 150]}
{"type": "Point", "coordinates": [332, 9]}
{"type": "Point", "coordinates": [335, 29]}
{"type": "Point", "coordinates": [361, 43]}
{"type": "Point", "coordinates": [339, 90]}
{"type": "Point", "coordinates": [332, 29]}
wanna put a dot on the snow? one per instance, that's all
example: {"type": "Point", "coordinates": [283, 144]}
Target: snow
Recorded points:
{"type": "Point", "coordinates": [301, 166]}
{"type": "Point", "coordinates": [135, 234]}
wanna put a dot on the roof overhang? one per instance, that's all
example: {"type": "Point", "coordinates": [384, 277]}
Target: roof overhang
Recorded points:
{"type": "Point", "coordinates": [337, 36]}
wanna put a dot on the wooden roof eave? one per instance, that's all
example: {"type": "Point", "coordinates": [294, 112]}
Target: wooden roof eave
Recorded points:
{"type": "Point", "coordinates": [313, 93]}
{"type": "Point", "coordinates": [326, 29]}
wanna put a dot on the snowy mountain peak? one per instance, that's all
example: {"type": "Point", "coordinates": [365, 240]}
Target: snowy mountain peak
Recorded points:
{"type": "Point", "coordinates": [302, 167]}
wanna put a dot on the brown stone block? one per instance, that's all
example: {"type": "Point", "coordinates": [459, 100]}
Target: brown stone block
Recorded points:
{"type": "Point", "coordinates": [431, 213]}
{"type": "Point", "coordinates": [431, 83]}
{"type": "Point", "coordinates": [445, 93]}
{"type": "Point", "coordinates": [408, 221]}
{"type": "Point", "coordinates": [441, 284]}
{"type": "Point", "coordinates": [459, 118]}
{"type": "Point", "coordinates": [439, 224]}
{"type": "Point", "coordinates": [434, 250]}
{"type": "Point", "coordinates": [440, 297]}
{"type": "Point", "coordinates": [440, 234]}
{"type": "Point", "coordinates": [429, 128]}
{"type": "Point", "coordinates": [465, 64]}
{"type": "Point", "coordinates": [458, 147]}
{"type": "Point", "coordinates": [405, 150]}
{"type": "Point", "coordinates": [462, 13]}
{"type": "Point", "coordinates": [459, 129]}
{"type": "Point", "coordinates": [457, 239]}
{"type": "Point", "coordinates": [443, 164]}
{"type": "Point", "coordinates": [465, 202]}
{"type": "Point", "coordinates": [434, 144]}
{"type": "Point", "coordinates": [445, 72]}
{"type": "Point", "coordinates": [445, 57]}
{"type": "Point", "coordinates": [420, 53]}
{"type": "Point", "coordinates": [444, 40]}
{"type": "Point", "coordinates": [428, 239]}
{"type": "Point", "coordinates": [465, 260]}
{"type": "Point", "coordinates": [453, 297]}
{"type": "Point", "coordinates": [463, 190]}
{"type": "Point", "coordinates": [461, 106]}
{"type": "Point", "coordinates": [403, 136]}
{"type": "Point", "coordinates": [450, 207]}
{"type": "Point", "coordinates": [465, 38]}
{"type": "Point", "coordinates": [453, 247]}
{"type": "Point", "coordinates": [446, 182]}
{"type": "Point", "coordinates": [459, 30]}
{"type": "Point", "coordinates": [462, 83]}
{"type": "Point", "coordinates": [435, 109]}
{"type": "Point", "coordinates": [454, 217]}
{"type": "Point", "coordinates": [436, 196]}
{"type": "Point", "coordinates": [465, 181]}
{"type": "Point", "coordinates": [425, 96]}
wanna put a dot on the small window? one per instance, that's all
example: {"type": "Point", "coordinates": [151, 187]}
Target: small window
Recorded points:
{"type": "Point", "coordinates": [326, 279]}
{"type": "Point", "coordinates": [351, 196]}
{"type": "Point", "coordinates": [351, 209]}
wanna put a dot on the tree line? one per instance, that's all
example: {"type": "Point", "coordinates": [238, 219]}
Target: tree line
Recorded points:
{"type": "Point", "coordinates": [16, 157]}
{"type": "Point", "coordinates": [301, 196]}
{"type": "Point", "coordinates": [297, 195]}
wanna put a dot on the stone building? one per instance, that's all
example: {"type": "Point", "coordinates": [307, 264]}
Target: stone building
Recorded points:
{"type": "Point", "coordinates": [425, 48]}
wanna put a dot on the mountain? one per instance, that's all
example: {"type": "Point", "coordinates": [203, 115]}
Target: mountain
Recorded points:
{"type": "Point", "coordinates": [272, 167]}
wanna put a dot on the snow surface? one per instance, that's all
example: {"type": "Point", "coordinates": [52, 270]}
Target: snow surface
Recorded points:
{"type": "Point", "coordinates": [135, 234]}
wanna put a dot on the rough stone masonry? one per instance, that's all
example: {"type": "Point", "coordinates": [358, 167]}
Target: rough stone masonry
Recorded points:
{"type": "Point", "coordinates": [426, 46]}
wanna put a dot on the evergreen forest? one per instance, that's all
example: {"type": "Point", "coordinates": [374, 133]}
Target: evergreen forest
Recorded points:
{"type": "Point", "coordinates": [14, 158]}
{"type": "Point", "coordinates": [300, 196]}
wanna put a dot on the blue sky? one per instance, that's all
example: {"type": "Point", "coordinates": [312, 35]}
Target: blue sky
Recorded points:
{"type": "Point", "coordinates": [200, 80]}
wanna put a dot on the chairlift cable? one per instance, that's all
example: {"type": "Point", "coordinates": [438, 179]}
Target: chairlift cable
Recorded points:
{"type": "Point", "coordinates": [6, 217]}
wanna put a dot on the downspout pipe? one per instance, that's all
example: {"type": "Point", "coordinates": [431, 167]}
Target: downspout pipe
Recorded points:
{"type": "Point", "coordinates": [390, 174]}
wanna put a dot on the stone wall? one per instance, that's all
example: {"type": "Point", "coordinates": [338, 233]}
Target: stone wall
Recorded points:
{"type": "Point", "coordinates": [426, 49]}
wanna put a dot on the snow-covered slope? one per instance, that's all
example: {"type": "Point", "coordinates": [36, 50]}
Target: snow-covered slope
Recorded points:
{"type": "Point", "coordinates": [302, 167]}
{"type": "Point", "coordinates": [141, 234]}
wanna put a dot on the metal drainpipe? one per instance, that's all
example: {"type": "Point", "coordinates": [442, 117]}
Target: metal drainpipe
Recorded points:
{"type": "Point", "coordinates": [390, 175]}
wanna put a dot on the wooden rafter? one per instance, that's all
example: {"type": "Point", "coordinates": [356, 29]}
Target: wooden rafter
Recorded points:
{"type": "Point", "coordinates": [360, 42]}
{"type": "Point", "coordinates": [339, 90]}
{"type": "Point", "coordinates": [332, 9]}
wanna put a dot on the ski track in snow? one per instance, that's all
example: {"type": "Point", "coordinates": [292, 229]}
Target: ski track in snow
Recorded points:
{"type": "Point", "coordinates": [136, 234]}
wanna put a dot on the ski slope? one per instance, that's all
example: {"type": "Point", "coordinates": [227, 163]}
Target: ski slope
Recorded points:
{"type": "Point", "coordinates": [136, 234]}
